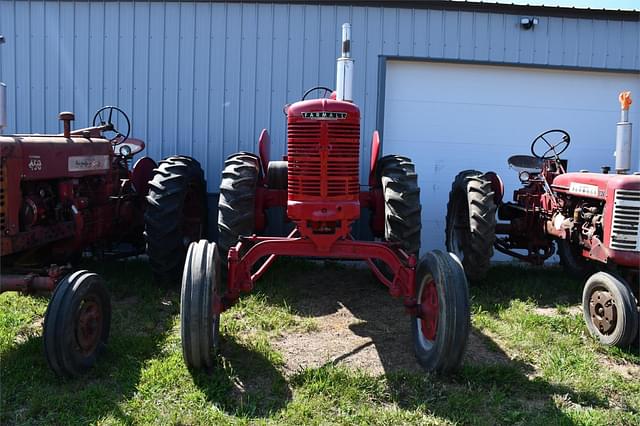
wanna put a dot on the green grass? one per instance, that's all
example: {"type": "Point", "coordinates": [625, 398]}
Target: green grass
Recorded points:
{"type": "Point", "coordinates": [546, 368]}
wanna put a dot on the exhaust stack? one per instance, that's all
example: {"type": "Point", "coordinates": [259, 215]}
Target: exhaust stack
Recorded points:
{"type": "Point", "coordinates": [3, 100]}
{"type": "Point", "coordinates": [3, 106]}
{"type": "Point", "coordinates": [344, 75]}
{"type": "Point", "coordinates": [623, 136]}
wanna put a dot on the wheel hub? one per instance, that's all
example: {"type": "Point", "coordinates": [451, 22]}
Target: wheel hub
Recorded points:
{"type": "Point", "coordinates": [429, 309]}
{"type": "Point", "coordinates": [602, 308]}
{"type": "Point", "coordinates": [89, 325]}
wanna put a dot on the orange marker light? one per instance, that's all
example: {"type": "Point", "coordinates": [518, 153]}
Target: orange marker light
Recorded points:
{"type": "Point", "coordinates": [625, 99]}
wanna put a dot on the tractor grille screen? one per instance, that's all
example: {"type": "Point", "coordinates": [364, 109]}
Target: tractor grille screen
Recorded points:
{"type": "Point", "coordinates": [625, 227]}
{"type": "Point", "coordinates": [323, 159]}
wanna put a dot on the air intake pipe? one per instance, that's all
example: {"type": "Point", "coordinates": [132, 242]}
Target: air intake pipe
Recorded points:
{"type": "Point", "coordinates": [344, 75]}
{"type": "Point", "coordinates": [623, 136]}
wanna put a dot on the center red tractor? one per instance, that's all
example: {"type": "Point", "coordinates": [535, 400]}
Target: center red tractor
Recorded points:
{"type": "Point", "coordinates": [592, 218]}
{"type": "Point", "coordinates": [318, 184]}
{"type": "Point", "coordinates": [61, 195]}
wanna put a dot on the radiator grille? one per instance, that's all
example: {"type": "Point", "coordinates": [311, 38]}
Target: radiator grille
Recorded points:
{"type": "Point", "coordinates": [307, 162]}
{"type": "Point", "coordinates": [625, 226]}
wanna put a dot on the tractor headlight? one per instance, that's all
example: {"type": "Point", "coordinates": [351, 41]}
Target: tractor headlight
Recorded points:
{"type": "Point", "coordinates": [524, 176]}
{"type": "Point", "coordinates": [125, 150]}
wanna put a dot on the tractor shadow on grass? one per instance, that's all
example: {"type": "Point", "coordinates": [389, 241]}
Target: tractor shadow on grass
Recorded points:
{"type": "Point", "coordinates": [489, 391]}
{"type": "Point", "coordinates": [141, 322]}
{"type": "Point", "coordinates": [360, 326]}
{"type": "Point", "coordinates": [243, 382]}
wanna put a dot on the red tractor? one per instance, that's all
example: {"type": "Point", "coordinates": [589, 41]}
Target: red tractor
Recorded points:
{"type": "Point", "coordinates": [591, 218]}
{"type": "Point", "coordinates": [61, 195]}
{"type": "Point", "coordinates": [318, 185]}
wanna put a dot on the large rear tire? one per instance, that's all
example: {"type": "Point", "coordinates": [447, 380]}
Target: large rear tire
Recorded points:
{"type": "Point", "coordinates": [176, 215]}
{"type": "Point", "coordinates": [200, 292]}
{"type": "Point", "coordinates": [610, 310]}
{"type": "Point", "coordinates": [236, 207]}
{"type": "Point", "coordinates": [441, 331]}
{"type": "Point", "coordinates": [77, 323]}
{"type": "Point", "coordinates": [402, 209]}
{"type": "Point", "coordinates": [471, 222]}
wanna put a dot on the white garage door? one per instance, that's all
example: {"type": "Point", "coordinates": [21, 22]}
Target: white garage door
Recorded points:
{"type": "Point", "coordinates": [452, 117]}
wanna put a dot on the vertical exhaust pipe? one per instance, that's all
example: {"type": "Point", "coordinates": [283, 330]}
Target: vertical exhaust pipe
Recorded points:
{"type": "Point", "coordinates": [3, 106]}
{"type": "Point", "coordinates": [3, 100]}
{"type": "Point", "coordinates": [623, 135]}
{"type": "Point", "coordinates": [344, 74]}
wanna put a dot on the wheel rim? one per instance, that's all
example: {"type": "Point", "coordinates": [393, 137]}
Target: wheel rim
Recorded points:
{"type": "Point", "coordinates": [89, 321]}
{"type": "Point", "coordinates": [603, 311]}
{"type": "Point", "coordinates": [429, 313]}
{"type": "Point", "coordinates": [459, 229]}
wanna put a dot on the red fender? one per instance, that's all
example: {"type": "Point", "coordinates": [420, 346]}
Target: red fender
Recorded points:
{"type": "Point", "coordinates": [264, 146]}
{"type": "Point", "coordinates": [496, 185]}
{"type": "Point", "coordinates": [142, 173]}
{"type": "Point", "coordinates": [375, 154]}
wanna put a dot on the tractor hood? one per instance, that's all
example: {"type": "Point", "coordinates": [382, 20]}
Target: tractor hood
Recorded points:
{"type": "Point", "coordinates": [324, 110]}
{"type": "Point", "coordinates": [594, 185]}
{"type": "Point", "coordinates": [37, 157]}
{"type": "Point", "coordinates": [35, 138]}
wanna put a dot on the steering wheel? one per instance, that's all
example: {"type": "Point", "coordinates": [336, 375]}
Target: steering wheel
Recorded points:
{"type": "Point", "coordinates": [556, 147]}
{"type": "Point", "coordinates": [327, 91]}
{"type": "Point", "coordinates": [108, 126]}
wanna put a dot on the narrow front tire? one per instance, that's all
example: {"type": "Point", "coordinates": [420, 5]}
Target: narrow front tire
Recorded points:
{"type": "Point", "coordinates": [200, 293]}
{"type": "Point", "coordinates": [77, 323]}
{"type": "Point", "coordinates": [441, 329]}
{"type": "Point", "coordinates": [610, 310]}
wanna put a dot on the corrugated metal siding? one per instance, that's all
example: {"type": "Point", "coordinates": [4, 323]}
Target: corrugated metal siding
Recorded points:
{"type": "Point", "coordinates": [204, 78]}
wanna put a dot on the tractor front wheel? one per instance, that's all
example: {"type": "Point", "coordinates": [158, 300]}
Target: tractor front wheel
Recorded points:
{"type": "Point", "coordinates": [471, 222]}
{"type": "Point", "coordinates": [610, 310]}
{"type": "Point", "coordinates": [201, 291]}
{"type": "Point", "coordinates": [76, 324]}
{"type": "Point", "coordinates": [441, 328]}
{"type": "Point", "coordinates": [176, 215]}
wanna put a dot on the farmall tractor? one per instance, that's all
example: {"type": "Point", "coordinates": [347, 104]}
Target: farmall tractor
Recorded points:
{"type": "Point", "coordinates": [592, 218]}
{"type": "Point", "coordinates": [318, 185]}
{"type": "Point", "coordinates": [61, 195]}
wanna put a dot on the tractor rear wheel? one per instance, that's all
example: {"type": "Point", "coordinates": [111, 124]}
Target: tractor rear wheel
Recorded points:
{"type": "Point", "coordinates": [402, 209]}
{"type": "Point", "coordinates": [572, 260]}
{"type": "Point", "coordinates": [236, 207]}
{"type": "Point", "coordinates": [176, 215]}
{"type": "Point", "coordinates": [610, 310]}
{"type": "Point", "coordinates": [76, 324]}
{"type": "Point", "coordinates": [441, 329]}
{"type": "Point", "coordinates": [471, 222]}
{"type": "Point", "coordinates": [201, 290]}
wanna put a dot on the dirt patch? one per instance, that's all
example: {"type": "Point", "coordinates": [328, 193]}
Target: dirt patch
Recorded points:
{"type": "Point", "coordinates": [360, 326]}
{"type": "Point", "coordinates": [626, 369]}
{"type": "Point", "coordinates": [551, 312]}
{"type": "Point", "coordinates": [32, 330]}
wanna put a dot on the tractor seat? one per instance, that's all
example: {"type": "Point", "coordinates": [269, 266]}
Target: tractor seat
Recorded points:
{"type": "Point", "coordinates": [525, 163]}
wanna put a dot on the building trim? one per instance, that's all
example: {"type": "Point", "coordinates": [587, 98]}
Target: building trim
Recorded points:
{"type": "Point", "coordinates": [382, 75]}
{"type": "Point", "coordinates": [470, 6]}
